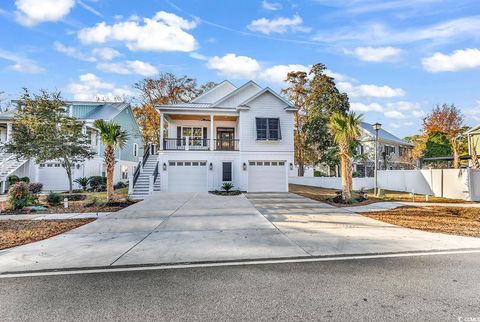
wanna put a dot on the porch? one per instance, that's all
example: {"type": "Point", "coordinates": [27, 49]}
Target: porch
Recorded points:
{"type": "Point", "coordinates": [197, 132]}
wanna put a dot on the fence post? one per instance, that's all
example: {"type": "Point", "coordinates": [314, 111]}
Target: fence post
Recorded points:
{"type": "Point", "coordinates": [470, 184]}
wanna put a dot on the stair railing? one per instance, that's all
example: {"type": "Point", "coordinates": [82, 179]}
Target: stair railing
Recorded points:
{"type": "Point", "coordinates": [136, 174]}
{"type": "Point", "coordinates": [155, 173]}
{"type": "Point", "coordinates": [146, 155]}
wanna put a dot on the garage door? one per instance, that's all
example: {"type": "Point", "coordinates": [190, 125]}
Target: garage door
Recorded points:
{"type": "Point", "coordinates": [53, 177]}
{"type": "Point", "coordinates": [187, 176]}
{"type": "Point", "coordinates": [267, 176]}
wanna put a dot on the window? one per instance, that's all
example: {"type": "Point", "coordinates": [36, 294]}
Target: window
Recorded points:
{"type": "Point", "coordinates": [227, 171]}
{"type": "Point", "coordinates": [268, 128]}
{"type": "Point", "coordinates": [124, 170]}
{"type": "Point", "coordinates": [389, 149]}
{"type": "Point", "coordinates": [194, 133]}
{"type": "Point", "coordinates": [135, 149]}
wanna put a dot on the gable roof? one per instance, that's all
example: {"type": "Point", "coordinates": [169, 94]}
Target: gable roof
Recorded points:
{"type": "Point", "coordinates": [237, 92]}
{"type": "Point", "coordinates": [265, 90]}
{"type": "Point", "coordinates": [383, 134]}
{"type": "Point", "coordinates": [224, 86]}
{"type": "Point", "coordinates": [475, 129]}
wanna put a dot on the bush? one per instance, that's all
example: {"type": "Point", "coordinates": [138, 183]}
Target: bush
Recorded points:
{"type": "Point", "coordinates": [54, 199]}
{"type": "Point", "coordinates": [78, 197]}
{"type": "Point", "coordinates": [19, 196]}
{"type": "Point", "coordinates": [227, 186]}
{"type": "Point", "coordinates": [120, 185]}
{"type": "Point", "coordinates": [82, 182]}
{"type": "Point", "coordinates": [317, 173]}
{"type": "Point", "coordinates": [92, 201]}
{"type": "Point", "coordinates": [12, 180]}
{"type": "Point", "coordinates": [35, 188]}
{"type": "Point", "coordinates": [356, 174]}
{"type": "Point", "coordinates": [98, 183]}
{"type": "Point", "coordinates": [25, 179]}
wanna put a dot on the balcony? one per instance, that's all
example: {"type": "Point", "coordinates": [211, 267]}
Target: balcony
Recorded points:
{"type": "Point", "coordinates": [189, 144]}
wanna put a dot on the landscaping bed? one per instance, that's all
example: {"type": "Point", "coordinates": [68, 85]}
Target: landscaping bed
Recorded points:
{"type": "Point", "coordinates": [20, 232]}
{"type": "Point", "coordinates": [462, 221]}
{"type": "Point", "coordinates": [326, 195]}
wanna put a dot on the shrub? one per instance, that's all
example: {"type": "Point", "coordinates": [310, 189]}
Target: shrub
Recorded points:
{"type": "Point", "coordinates": [356, 174]}
{"type": "Point", "coordinates": [25, 179]}
{"type": "Point", "coordinates": [12, 180]}
{"type": "Point", "coordinates": [120, 185]}
{"type": "Point", "coordinates": [92, 201]}
{"type": "Point", "coordinates": [54, 199]}
{"type": "Point", "coordinates": [78, 197]}
{"type": "Point", "coordinates": [317, 173]}
{"type": "Point", "coordinates": [227, 186]}
{"type": "Point", "coordinates": [35, 188]}
{"type": "Point", "coordinates": [82, 182]}
{"type": "Point", "coordinates": [19, 196]}
{"type": "Point", "coordinates": [98, 183]}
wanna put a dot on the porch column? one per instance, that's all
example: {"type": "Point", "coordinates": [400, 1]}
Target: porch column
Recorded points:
{"type": "Point", "coordinates": [9, 131]}
{"type": "Point", "coordinates": [212, 136]}
{"type": "Point", "coordinates": [162, 120]}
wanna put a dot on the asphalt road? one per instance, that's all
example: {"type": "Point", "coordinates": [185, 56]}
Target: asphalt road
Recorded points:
{"type": "Point", "coordinates": [427, 288]}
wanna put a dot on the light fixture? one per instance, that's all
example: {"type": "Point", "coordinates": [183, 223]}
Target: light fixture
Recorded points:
{"type": "Point", "coordinates": [210, 166]}
{"type": "Point", "coordinates": [377, 126]}
{"type": "Point", "coordinates": [291, 166]}
{"type": "Point", "coordinates": [244, 166]}
{"type": "Point", "coordinates": [164, 166]}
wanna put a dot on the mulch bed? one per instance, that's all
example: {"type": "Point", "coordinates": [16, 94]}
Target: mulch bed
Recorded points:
{"type": "Point", "coordinates": [20, 232]}
{"type": "Point", "coordinates": [450, 220]}
{"type": "Point", "coordinates": [325, 195]}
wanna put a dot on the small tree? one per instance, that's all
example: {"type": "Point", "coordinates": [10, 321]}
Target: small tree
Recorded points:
{"type": "Point", "coordinates": [113, 137]}
{"type": "Point", "coordinates": [345, 129]}
{"type": "Point", "coordinates": [43, 131]}
{"type": "Point", "coordinates": [446, 119]}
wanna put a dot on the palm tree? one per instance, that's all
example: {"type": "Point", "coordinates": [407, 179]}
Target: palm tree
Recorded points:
{"type": "Point", "coordinates": [345, 128]}
{"type": "Point", "coordinates": [83, 182]}
{"type": "Point", "coordinates": [113, 137]}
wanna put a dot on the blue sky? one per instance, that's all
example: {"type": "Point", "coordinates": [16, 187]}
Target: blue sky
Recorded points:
{"type": "Point", "coordinates": [395, 58]}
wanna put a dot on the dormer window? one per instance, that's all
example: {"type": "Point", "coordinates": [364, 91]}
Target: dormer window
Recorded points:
{"type": "Point", "coordinates": [268, 128]}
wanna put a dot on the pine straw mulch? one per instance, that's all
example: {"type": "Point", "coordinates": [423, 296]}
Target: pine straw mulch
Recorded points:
{"type": "Point", "coordinates": [20, 232]}
{"type": "Point", "coordinates": [450, 220]}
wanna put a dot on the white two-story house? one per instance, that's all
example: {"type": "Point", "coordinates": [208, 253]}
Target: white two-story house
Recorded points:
{"type": "Point", "coordinates": [242, 135]}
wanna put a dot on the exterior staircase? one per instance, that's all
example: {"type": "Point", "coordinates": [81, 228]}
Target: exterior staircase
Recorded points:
{"type": "Point", "coordinates": [8, 164]}
{"type": "Point", "coordinates": [146, 179]}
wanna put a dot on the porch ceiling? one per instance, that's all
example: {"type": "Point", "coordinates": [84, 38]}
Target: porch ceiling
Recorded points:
{"type": "Point", "coordinates": [202, 117]}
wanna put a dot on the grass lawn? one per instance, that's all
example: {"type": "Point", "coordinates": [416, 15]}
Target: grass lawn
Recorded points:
{"type": "Point", "coordinates": [20, 232]}
{"type": "Point", "coordinates": [450, 220]}
{"type": "Point", "coordinates": [325, 195]}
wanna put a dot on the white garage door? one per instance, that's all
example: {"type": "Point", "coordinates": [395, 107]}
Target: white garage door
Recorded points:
{"type": "Point", "coordinates": [187, 176]}
{"type": "Point", "coordinates": [53, 176]}
{"type": "Point", "coordinates": [267, 176]}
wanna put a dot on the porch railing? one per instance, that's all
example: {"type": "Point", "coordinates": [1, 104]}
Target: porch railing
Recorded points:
{"type": "Point", "coordinates": [184, 144]}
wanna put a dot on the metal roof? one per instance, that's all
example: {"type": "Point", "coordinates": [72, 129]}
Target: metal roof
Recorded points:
{"type": "Point", "coordinates": [383, 134]}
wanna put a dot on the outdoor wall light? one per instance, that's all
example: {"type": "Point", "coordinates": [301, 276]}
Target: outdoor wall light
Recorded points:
{"type": "Point", "coordinates": [210, 166]}
{"type": "Point", "coordinates": [291, 166]}
{"type": "Point", "coordinates": [244, 166]}
{"type": "Point", "coordinates": [164, 166]}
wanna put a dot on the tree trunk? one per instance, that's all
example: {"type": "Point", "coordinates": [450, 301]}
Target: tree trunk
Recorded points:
{"type": "Point", "coordinates": [456, 157]}
{"type": "Point", "coordinates": [68, 169]}
{"type": "Point", "coordinates": [110, 163]}
{"type": "Point", "coordinates": [344, 163]}
{"type": "Point", "coordinates": [474, 156]}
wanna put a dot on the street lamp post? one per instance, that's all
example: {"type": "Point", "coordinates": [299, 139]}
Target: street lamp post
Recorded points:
{"type": "Point", "coordinates": [377, 126]}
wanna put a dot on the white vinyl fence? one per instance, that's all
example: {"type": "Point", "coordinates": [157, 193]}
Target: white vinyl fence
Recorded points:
{"type": "Point", "coordinates": [449, 183]}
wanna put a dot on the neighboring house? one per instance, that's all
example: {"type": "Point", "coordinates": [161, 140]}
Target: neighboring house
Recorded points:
{"type": "Point", "coordinates": [239, 135]}
{"type": "Point", "coordinates": [473, 136]}
{"type": "Point", "coordinates": [51, 174]}
{"type": "Point", "coordinates": [393, 152]}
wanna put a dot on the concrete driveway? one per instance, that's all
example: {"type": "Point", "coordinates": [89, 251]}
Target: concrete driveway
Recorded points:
{"type": "Point", "coordinates": [193, 227]}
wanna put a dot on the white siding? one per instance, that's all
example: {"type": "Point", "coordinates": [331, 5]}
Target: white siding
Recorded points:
{"type": "Point", "coordinates": [172, 127]}
{"type": "Point", "coordinates": [266, 105]}
{"type": "Point", "coordinates": [222, 90]}
{"type": "Point", "coordinates": [242, 95]}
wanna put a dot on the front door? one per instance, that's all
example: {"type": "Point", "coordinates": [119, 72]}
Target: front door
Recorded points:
{"type": "Point", "coordinates": [225, 138]}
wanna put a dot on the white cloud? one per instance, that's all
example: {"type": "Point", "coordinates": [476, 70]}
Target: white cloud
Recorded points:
{"type": "Point", "coordinates": [273, 6]}
{"type": "Point", "coordinates": [377, 33]}
{"type": "Point", "coordinates": [376, 54]}
{"type": "Point", "coordinates": [362, 108]}
{"type": "Point", "coordinates": [234, 66]}
{"type": "Point", "coordinates": [418, 113]}
{"type": "Point", "coordinates": [278, 25]}
{"type": "Point", "coordinates": [403, 106]}
{"type": "Point", "coordinates": [91, 87]}
{"type": "Point", "coordinates": [164, 32]}
{"type": "Point", "coordinates": [21, 64]}
{"type": "Point", "coordinates": [278, 73]}
{"type": "Point", "coordinates": [105, 53]}
{"type": "Point", "coordinates": [459, 60]}
{"type": "Point", "coordinates": [368, 90]}
{"type": "Point", "coordinates": [33, 12]}
{"type": "Point", "coordinates": [129, 67]}
{"type": "Point", "coordinates": [198, 56]}
{"type": "Point", "coordinates": [395, 115]}
{"type": "Point", "coordinates": [474, 112]}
